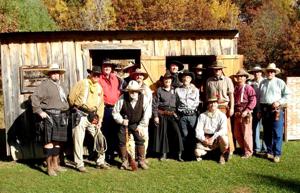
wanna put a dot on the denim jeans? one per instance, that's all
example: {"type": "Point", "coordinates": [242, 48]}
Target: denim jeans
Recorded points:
{"type": "Point", "coordinates": [273, 132]}
{"type": "Point", "coordinates": [258, 143]}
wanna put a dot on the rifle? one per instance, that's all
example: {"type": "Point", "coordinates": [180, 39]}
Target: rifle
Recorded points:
{"type": "Point", "coordinates": [132, 162]}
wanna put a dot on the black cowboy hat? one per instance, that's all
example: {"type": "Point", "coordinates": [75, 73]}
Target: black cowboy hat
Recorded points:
{"type": "Point", "coordinates": [186, 73]}
{"type": "Point", "coordinates": [199, 67]}
{"type": "Point", "coordinates": [95, 69]}
{"type": "Point", "coordinates": [179, 64]}
{"type": "Point", "coordinates": [107, 61]}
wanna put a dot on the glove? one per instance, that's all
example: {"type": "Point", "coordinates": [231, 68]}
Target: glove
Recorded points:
{"type": "Point", "coordinates": [93, 117]}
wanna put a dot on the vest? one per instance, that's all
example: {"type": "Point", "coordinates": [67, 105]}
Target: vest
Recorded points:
{"type": "Point", "coordinates": [134, 115]}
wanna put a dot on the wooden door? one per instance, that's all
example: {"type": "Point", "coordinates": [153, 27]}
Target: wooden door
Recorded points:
{"type": "Point", "coordinates": [232, 62]}
{"type": "Point", "coordinates": [155, 66]}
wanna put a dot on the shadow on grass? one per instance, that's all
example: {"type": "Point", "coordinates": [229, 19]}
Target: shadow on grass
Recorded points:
{"type": "Point", "coordinates": [288, 185]}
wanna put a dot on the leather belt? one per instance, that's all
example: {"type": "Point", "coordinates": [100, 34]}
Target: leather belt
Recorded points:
{"type": "Point", "coordinates": [170, 113]}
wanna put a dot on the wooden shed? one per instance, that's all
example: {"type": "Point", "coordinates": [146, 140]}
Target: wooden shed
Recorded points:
{"type": "Point", "coordinates": [25, 54]}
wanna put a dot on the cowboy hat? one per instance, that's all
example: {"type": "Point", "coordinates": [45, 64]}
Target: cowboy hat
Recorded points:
{"type": "Point", "coordinates": [186, 73]}
{"type": "Point", "coordinates": [54, 68]}
{"type": "Point", "coordinates": [199, 67]}
{"type": "Point", "coordinates": [272, 66]}
{"type": "Point", "coordinates": [212, 99]}
{"type": "Point", "coordinates": [108, 62]}
{"type": "Point", "coordinates": [139, 71]}
{"type": "Point", "coordinates": [217, 65]}
{"type": "Point", "coordinates": [95, 69]}
{"type": "Point", "coordinates": [133, 86]}
{"type": "Point", "coordinates": [256, 68]}
{"type": "Point", "coordinates": [167, 75]}
{"type": "Point", "coordinates": [131, 65]}
{"type": "Point", "coordinates": [177, 63]}
{"type": "Point", "coordinates": [242, 72]}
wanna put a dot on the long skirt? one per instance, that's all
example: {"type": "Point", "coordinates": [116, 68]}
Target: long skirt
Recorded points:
{"type": "Point", "coordinates": [167, 137]}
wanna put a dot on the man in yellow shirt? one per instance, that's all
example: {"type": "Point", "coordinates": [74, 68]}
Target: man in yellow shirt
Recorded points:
{"type": "Point", "coordinates": [86, 98]}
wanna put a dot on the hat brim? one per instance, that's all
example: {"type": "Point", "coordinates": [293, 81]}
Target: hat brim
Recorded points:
{"type": "Point", "coordinates": [251, 71]}
{"type": "Point", "coordinates": [142, 73]}
{"type": "Point", "coordinates": [91, 71]}
{"type": "Point", "coordinates": [127, 68]}
{"type": "Point", "coordinates": [113, 65]}
{"type": "Point", "coordinates": [217, 67]}
{"type": "Point", "coordinates": [133, 90]}
{"type": "Point", "coordinates": [246, 75]}
{"type": "Point", "coordinates": [181, 75]}
{"type": "Point", "coordinates": [277, 70]}
{"type": "Point", "coordinates": [60, 71]}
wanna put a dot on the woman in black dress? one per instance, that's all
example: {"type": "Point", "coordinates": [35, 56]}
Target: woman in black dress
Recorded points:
{"type": "Point", "coordinates": [167, 137]}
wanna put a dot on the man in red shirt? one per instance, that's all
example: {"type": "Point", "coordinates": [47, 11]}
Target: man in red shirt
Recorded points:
{"type": "Point", "coordinates": [111, 85]}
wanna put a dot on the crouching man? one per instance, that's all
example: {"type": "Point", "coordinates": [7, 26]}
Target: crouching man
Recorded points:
{"type": "Point", "coordinates": [131, 113]}
{"type": "Point", "coordinates": [211, 132]}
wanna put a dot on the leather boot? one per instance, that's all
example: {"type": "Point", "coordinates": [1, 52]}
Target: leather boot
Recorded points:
{"type": "Point", "coordinates": [50, 169]}
{"type": "Point", "coordinates": [141, 157]}
{"type": "Point", "coordinates": [123, 155]}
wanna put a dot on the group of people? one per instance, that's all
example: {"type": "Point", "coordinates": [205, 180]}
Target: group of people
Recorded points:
{"type": "Point", "coordinates": [184, 118]}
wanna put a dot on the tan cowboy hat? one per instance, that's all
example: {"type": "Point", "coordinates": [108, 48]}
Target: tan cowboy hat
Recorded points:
{"type": "Point", "coordinates": [272, 66]}
{"type": "Point", "coordinates": [256, 68]}
{"type": "Point", "coordinates": [139, 71]}
{"type": "Point", "coordinates": [212, 99]}
{"type": "Point", "coordinates": [242, 72]}
{"type": "Point", "coordinates": [217, 65]}
{"type": "Point", "coordinates": [130, 66]}
{"type": "Point", "coordinates": [54, 68]}
{"type": "Point", "coordinates": [133, 86]}
{"type": "Point", "coordinates": [199, 67]}
{"type": "Point", "coordinates": [95, 69]}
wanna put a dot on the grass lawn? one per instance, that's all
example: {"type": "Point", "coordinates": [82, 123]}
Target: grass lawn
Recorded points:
{"type": "Point", "coordinates": [252, 175]}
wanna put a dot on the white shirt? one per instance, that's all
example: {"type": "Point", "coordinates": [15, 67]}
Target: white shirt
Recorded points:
{"type": "Point", "coordinates": [211, 123]}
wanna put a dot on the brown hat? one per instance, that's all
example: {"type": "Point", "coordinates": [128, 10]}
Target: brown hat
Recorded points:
{"type": "Point", "coordinates": [256, 68]}
{"type": "Point", "coordinates": [217, 65]}
{"type": "Point", "coordinates": [272, 66]}
{"type": "Point", "coordinates": [95, 69]}
{"type": "Point", "coordinates": [177, 63]}
{"type": "Point", "coordinates": [186, 73]}
{"type": "Point", "coordinates": [199, 67]}
{"type": "Point", "coordinates": [139, 71]}
{"type": "Point", "coordinates": [242, 72]}
{"type": "Point", "coordinates": [54, 68]}
{"type": "Point", "coordinates": [131, 65]}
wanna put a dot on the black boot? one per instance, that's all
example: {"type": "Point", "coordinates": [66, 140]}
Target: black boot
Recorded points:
{"type": "Point", "coordinates": [163, 157]}
{"type": "Point", "coordinates": [179, 157]}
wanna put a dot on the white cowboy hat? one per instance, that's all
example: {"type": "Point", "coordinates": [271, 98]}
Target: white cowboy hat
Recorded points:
{"type": "Point", "coordinates": [54, 68]}
{"type": "Point", "coordinates": [133, 86]}
{"type": "Point", "coordinates": [272, 66]}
